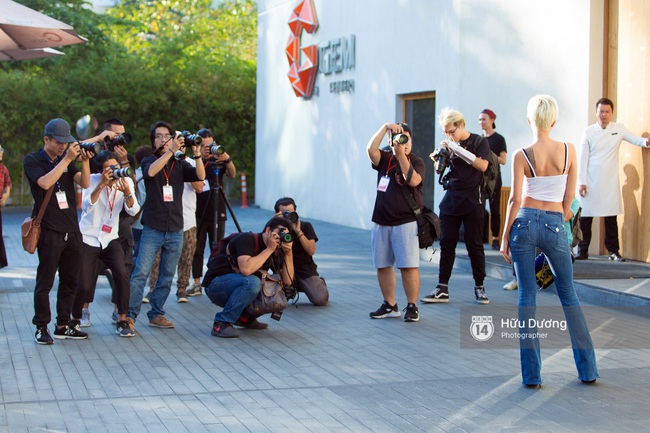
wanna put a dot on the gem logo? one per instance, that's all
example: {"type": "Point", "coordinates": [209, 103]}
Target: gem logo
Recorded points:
{"type": "Point", "coordinates": [482, 328]}
{"type": "Point", "coordinates": [302, 76]}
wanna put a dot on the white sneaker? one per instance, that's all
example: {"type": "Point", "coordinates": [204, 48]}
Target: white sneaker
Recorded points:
{"type": "Point", "coordinates": [512, 285]}
{"type": "Point", "coordinates": [85, 318]}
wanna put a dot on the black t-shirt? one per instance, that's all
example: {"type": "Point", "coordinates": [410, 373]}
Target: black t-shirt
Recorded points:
{"type": "Point", "coordinates": [463, 194]}
{"type": "Point", "coordinates": [244, 244]}
{"type": "Point", "coordinates": [497, 145]}
{"type": "Point", "coordinates": [391, 207]}
{"type": "Point", "coordinates": [37, 165]}
{"type": "Point", "coordinates": [156, 212]}
{"type": "Point", "coordinates": [303, 264]}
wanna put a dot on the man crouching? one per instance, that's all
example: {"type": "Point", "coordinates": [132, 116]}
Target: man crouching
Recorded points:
{"type": "Point", "coordinates": [233, 278]}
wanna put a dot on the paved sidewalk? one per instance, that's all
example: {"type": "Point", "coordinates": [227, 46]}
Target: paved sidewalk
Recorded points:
{"type": "Point", "coordinates": [319, 369]}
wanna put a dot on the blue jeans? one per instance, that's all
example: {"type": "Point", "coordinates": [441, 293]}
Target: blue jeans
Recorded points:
{"type": "Point", "coordinates": [170, 245]}
{"type": "Point", "coordinates": [233, 292]}
{"type": "Point", "coordinates": [545, 229]}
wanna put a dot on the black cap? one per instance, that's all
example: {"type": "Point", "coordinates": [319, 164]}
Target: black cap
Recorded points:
{"type": "Point", "coordinates": [59, 129]}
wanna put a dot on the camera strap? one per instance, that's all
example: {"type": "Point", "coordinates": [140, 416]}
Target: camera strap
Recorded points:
{"type": "Point", "coordinates": [409, 197]}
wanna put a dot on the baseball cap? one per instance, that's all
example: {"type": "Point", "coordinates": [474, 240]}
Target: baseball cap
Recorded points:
{"type": "Point", "coordinates": [59, 129]}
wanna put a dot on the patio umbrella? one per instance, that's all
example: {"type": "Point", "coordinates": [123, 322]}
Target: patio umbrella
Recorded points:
{"type": "Point", "coordinates": [36, 53]}
{"type": "Point", "coordinates": [22, 27]}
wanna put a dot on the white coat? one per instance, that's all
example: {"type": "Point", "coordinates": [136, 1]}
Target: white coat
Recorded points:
{"type": "Point", "coordinates": [598, 168]}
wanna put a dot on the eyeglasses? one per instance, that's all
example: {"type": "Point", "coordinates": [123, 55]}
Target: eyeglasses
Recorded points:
{"type": "Point", "coordinates": [161, 136]}
{"type": "Point", "coordinates": [448, 133]}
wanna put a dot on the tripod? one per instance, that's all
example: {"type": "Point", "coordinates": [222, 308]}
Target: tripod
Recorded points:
{"type": "Point", "coordinates": [219, 221]}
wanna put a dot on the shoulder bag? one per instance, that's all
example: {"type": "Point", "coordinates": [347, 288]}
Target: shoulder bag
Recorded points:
{"type": "Point", "coordinates": [428, 222]}
{"type": "Point", "coordinates": [31, 228]}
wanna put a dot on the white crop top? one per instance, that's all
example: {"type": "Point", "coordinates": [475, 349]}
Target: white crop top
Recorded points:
{"type": "Point", "coordinates": [546, 188]}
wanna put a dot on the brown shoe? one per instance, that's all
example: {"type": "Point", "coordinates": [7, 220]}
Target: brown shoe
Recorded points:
{"type": "Point", "coordinates": [161, 322]}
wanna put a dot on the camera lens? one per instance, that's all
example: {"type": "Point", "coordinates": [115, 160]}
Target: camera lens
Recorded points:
{"type": "Point", "coordinates": [401, 138]}
{"type": "Point", "coordinates": [91, 147]}
{"type": "Point", "coordinates": [191, 139]}
{"type": "Point", "coordinates": [286, 237]}
{"type": "Point", "coordinates": [215, 149]}
{"type": "Point", "coordinates": [122, 172]}
{"type": "Point", "coordinates": [291, 216]}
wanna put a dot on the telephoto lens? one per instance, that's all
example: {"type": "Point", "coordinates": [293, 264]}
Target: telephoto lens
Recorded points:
{"type": "Point", "coordinates": [122, 172]}
{"type": "Point", "coordinates": [401, 138]}
{"type": "Point", "coordinates": [291, 216]}
{"type": "Point", "coordinates": [91, 147]}
{"type": "Point", "coordinates": [216, 149]}
{"type": "Point", "coordinates": [286, 237]}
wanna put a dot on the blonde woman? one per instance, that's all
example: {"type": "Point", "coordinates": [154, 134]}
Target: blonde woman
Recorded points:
{"type": "Point", "coordinates": [543, 180]}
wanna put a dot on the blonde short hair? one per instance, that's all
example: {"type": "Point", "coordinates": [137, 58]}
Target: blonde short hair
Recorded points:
{"type": "Point", "coordinates": [448, 115]}
{"type": "Point", "coordinates": [542, 111]}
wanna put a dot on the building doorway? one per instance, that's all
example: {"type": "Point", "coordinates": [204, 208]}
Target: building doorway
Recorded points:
{"type": "Point", "coordinates": [419, 112]}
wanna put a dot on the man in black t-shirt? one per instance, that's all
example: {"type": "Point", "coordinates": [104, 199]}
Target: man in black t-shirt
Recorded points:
{"type": "Point", "coordinates": [394, 231]}
{"type": "Point", "coordinates": [462, 204]}
{"type": "Point", "coordinates": [233, 277]}
{"type": "Point", "coordinates": [304, 247]}
{"type": "Point", "coordinates": [59, 245]}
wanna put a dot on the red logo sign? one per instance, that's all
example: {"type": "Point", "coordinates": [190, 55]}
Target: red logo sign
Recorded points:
{"type": "Point", "coordinates": [302, 76]}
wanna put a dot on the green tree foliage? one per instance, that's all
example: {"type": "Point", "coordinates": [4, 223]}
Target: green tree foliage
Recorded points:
{"type": "Point", "coordinates": [183, 61]}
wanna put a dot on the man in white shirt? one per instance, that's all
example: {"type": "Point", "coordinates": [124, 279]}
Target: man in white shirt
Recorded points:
{"type": "Point", "coordinates": [101, 204]}
{"type": "Point", "coordinates": [598, 181]}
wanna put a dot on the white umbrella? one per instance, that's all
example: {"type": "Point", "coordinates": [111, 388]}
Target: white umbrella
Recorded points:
{"type": "Point", "coordinates": [36, 53]}
{"type": "Point", "coordinates": [22, 27]}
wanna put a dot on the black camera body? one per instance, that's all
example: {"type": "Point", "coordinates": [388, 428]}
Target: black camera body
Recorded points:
{"type": "Point", "coordinates": [441, 156]}
{"type": "Point", "coordinates": [290, 216]}
{"type": "Point", "coordinates": [121, 172]}
{"type": "Point", "coordinates": [90, 147]}
{"type": "Point", "coordinates": [190, 139]}
{"type": "Point", "coordinates": [120, 140]}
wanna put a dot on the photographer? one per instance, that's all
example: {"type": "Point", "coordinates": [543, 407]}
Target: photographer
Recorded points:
{"type": "Point", "coordinates": [304, 247]}
{"type": "Point", "coordinates": [394, 231]}
{"type": "Point", "coordinates": [467, 155]}
{"type": "Point", "coordinates": [162, 219]}
{"type": "Point", "coordinates": [205, 204]}
{"type": "Point", "coordinates": [59, 245]}
{"type": "Point", "coordinates": [102, 203]}
{"type": "Point", "coordinates": [233, 278]}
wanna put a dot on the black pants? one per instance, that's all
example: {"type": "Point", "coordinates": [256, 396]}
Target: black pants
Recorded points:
{"type": "Point", "coordinates": [113, 257]}
{"type": "Point", "coordinates": [62, 252]}
{"type": "Point", "coordinates": [611, 234]}
{"type": "Point", "coordinates": [450, 227]}
{"type": "Point", "coordinates": [204, 231]}
{"type": "Point", "coordinates": [3, 252]}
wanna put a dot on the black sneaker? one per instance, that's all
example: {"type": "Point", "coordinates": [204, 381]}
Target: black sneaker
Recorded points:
{"type": "Point", "coordinates": [224, 330]}
{"type": "Point", "coordinates": [616, 257]}
{"type": "Point", "coordinates": [481, 297]}
{"type": "Point", "coordinates": [582, 255]}
{"type": "Point", "coordinates": [439, 295]}
{"type": "Point", "coordinates": [68, 332]}
{"type": "Point", "coordinates": [386, 311]}
{"type": "Point", "coordinates": [124, 329]}
{"type": "Point", "coordinates": [411, 313]}
{"type": "Point", "coordinates": [495, 245]}
{"type": "Point", "coordinates": [43, 336]}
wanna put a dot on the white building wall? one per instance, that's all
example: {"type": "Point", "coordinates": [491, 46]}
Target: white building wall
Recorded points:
{"type": "Point", "coordinates": [474, 54]}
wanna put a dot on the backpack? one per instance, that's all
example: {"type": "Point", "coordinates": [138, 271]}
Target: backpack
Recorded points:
{"type": "Point", "coordinates": [491, 175]}
{"type": "Point", "coordinates": [221, 246]}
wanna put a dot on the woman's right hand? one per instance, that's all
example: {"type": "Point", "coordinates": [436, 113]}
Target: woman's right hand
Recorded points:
{"type": "Point", "coordinates": [505, 250]}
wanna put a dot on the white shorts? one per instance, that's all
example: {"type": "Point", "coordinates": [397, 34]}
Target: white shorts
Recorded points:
{"type": "Point", "coordinates": [395, 245]}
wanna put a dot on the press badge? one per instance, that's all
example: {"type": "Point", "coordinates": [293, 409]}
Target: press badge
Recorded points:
{"type": "Point", "coordinates": [107, 226]}
{"type": "Point", "coordinates": [168, 193]}
{"type": "Point", "coordinates": [62, 200]}
{"type": "Point", "coordinates": [383, 184]}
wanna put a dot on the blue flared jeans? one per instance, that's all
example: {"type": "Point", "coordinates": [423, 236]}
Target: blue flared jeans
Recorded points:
{"type": "Point", "coordinates": [545, 229]}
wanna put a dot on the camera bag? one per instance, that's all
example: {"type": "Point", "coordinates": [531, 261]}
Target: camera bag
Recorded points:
{"type": "Point", "coordinates": [31, 227]}
{"type": "Point", "coordinates": [271, 298]}
{"type": "Point", "coordinates": [428, 222]}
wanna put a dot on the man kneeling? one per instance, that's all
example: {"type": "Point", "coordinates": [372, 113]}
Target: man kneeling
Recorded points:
{"type": "Point", "coordinates": [233, 278]}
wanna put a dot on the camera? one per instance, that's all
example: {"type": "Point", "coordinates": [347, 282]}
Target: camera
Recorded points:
{"type": "Point", "coordinates": [216, 149]}
{"type": "Point", "coordinates": [120, 140]}
{"type": "Point", "coordinates": [291, 216]}
{"type": "Point", "coordinates": [91, 147]}
{"type": "Point", "coordinates": [121, 172]}
{"type": "Point", "coordinates": [190, 139]}
{"type": "Point", "coordinates": [441, 157]}
{"type": "Point", "coordinates": [285, 237]}
{"type": "Point", "coordinates": [400, 138]}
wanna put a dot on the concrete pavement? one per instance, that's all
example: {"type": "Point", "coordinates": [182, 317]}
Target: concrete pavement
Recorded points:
{"type": "Point", "coordinates": [319, 369]}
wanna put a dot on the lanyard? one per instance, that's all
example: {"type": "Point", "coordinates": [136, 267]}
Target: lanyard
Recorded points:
{"type": "Point", "coordinates": [108, 200]}
{"type": "Point", "coordinates": [49, 162]}
{"type": "Point", "coordinates": [165, 171]}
